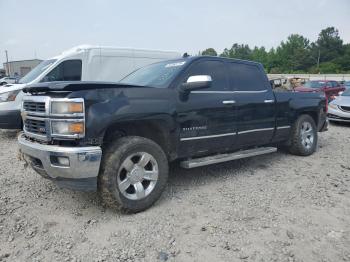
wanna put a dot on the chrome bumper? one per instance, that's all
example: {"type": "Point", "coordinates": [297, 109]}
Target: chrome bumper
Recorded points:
{"type": "Point", "coordinates": [84, 162]}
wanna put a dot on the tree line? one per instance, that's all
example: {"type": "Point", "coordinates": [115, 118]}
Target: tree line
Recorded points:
{"type": "Point", "coordinates": [328, 54]}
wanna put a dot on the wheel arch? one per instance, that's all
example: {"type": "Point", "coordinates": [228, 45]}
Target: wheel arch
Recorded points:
{"type": "Point", "coordinates": [311, 113]}
{"type": "Point", "coordinates": [159, 131]}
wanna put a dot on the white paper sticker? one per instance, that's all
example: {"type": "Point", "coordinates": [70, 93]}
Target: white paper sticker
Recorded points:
{"type": "Point", "coordinates": [175, 64]}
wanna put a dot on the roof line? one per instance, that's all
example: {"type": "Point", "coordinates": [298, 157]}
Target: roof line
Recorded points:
{"type": "Point", "coordinates": [23, 60]}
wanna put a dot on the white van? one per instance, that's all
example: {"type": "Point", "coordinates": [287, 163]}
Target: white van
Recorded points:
{"type": "Point", "coordinates": [81, 63]}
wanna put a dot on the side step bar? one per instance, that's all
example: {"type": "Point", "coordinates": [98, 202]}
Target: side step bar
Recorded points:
{"type": "Point", "coordinates": [196, 162]}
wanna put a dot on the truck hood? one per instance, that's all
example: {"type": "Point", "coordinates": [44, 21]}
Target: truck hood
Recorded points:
{"type": "Point", "coordinates": [11, 87]}
{"type": "Point", "coordinates": [73, 86]}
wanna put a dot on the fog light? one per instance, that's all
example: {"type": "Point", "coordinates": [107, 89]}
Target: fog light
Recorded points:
{"type": "Point", "coordinates": [63, 161]}
{"type": "Point", "coordinates": [60, 161]}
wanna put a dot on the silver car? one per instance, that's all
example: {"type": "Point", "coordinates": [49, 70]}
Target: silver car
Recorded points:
{"type": "Point", "coordinates": [339, 108]}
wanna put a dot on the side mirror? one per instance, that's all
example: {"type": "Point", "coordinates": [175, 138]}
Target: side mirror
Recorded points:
{"type": "Point", "coordinates": [196, 82]}
{"type": "Point", "coordinates": [340, 93]}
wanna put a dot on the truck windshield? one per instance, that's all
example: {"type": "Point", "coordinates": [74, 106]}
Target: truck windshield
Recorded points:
{"type": "Point", "coordinates": [33, 74]}
{"type": "Point", "coordinates": [315, 84]}
{"type": "Point", "coordinates": [155, 75]}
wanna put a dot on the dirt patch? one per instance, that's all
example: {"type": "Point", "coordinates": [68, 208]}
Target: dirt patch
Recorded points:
{"type": "Point", "coordinates": [276, 207]}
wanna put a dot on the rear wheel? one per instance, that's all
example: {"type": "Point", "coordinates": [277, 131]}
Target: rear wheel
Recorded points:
{"type": "Point", "coordinates": [133, 174]}
{"type": "Point", "coordinates": [303, 139]}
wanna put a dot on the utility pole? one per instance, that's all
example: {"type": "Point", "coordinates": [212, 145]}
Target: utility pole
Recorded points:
{"type": "Point", "coordinates": [7, 63]}
{"type": "Point", "coordinates": [318, 60]}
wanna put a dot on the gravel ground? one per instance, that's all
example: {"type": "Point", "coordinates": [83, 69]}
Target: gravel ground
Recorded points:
{"type": "Point", "coordinates": [276, 207]}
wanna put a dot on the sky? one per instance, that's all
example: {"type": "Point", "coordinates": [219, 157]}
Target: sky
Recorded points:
{"type": "Point", "coordinates": [44, 28]}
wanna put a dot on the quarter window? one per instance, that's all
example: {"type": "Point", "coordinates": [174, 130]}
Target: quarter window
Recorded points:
{"type": "Point", "coordinates": [69, 70]}
{"type": "Point", "coordinates": [246, 77]}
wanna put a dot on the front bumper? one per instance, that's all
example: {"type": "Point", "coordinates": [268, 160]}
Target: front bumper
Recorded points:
{"type": "Point", "coordinates": [338, 115]}
{"type": "Point", "coordinates": [81, 171]}
{"type": "Point", "coordinates": [10, 119]}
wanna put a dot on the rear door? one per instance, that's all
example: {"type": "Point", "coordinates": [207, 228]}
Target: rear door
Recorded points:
{"type": "Point", "coordinates": [207, 116]}
{"type": "Point", "coordinates": [255, 104]}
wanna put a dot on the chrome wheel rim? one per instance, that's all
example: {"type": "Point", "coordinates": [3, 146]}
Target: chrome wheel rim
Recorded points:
{"type": "Point", "coordinates": [307, 135]}
{"type": "Point", "coordinates": [138, 175]}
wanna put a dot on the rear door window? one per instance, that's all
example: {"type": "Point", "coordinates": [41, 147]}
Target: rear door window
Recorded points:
{"type": "Point", "coordinates": [69, 70]}
{"type": "Point", "coordinates": [245, 77]}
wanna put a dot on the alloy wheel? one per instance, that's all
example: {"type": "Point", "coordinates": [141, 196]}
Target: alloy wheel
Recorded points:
{"type": "Point", "coordinates": [307, 135]}
{"type": "Point", "coordinates": [138, 175]}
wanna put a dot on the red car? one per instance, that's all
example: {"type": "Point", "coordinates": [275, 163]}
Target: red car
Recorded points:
{"type": "Point", "coordinates": [329, 87]}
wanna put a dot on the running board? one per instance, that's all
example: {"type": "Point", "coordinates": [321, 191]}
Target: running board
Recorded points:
{"type": "Point", "coordinates": [196, 162]}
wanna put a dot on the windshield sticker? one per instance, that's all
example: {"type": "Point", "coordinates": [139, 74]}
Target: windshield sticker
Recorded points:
{"type": "Point", "coordinates": [175, 64]}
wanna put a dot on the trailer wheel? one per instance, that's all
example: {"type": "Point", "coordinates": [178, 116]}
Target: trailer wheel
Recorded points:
{"type": "Point", "coordinates": [133, 174]}
{"type": "Point", "coordinates": [303, 140]}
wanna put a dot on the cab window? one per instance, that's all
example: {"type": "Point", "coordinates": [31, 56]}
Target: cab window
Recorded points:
{"type": "Point", "coordinates": [245, 77]}
{"type": "Point", "coordinates": [215, 69]}
{"type": "Point", "coordinates": [69, 70]}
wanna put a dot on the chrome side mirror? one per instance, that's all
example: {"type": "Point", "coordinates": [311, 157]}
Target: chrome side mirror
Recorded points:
{"type": "Point", "coordinates": [197, 82]}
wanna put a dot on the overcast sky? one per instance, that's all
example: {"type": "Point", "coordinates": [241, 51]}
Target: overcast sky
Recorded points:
{"type": "Point", "coordinates": [44, 28]}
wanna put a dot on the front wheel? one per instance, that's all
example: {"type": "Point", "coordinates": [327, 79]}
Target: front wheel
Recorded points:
{"type": "Point", "coordinates": [133, 174]}
{"type": "Point", "coordinates": [303, 140]}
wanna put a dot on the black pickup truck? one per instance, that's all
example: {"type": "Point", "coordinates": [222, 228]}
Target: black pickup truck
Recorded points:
{"type": "Point", "coordinates": [118, 138]}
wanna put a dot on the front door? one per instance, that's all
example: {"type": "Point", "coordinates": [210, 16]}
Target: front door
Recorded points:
{"type": "Point", "coordinates": [207, 117]}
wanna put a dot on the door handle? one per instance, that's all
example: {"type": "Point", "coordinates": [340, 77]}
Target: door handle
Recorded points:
{"type": "Point", "coordinates": [228, 102]}
{"type": "Point", "coordinates": [269, 101]}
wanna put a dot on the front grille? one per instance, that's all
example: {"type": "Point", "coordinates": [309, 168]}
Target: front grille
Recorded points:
{"type": "Point", "coordinates": [345, 108]}
{"type": "Point", "coordinates": [35, 126]}
{"type": "Point", "coordinates": [31, 106]}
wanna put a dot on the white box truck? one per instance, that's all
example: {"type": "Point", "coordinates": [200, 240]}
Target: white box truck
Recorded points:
{"type": "Point", "coordinates": [81, 63]}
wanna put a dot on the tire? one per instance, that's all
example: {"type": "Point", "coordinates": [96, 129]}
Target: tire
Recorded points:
{"type": "Point", "coordinates": [303, 140]}
{"type": "Point", "coordinates": [139, 162]}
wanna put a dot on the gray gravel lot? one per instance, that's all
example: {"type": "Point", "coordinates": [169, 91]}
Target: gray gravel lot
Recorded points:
{"type": "Point", "coordinates": [275, 207]}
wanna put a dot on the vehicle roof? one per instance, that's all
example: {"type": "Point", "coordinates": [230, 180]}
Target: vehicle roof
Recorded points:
{"type": "Point", "coordinates": [82, 48]}
{"type": "Point", "coordinates": [194, 58]}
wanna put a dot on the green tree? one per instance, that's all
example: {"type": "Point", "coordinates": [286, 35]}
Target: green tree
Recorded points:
{"type": "Point", "coordinates": [238, 51]}
{"type": "Point", "coordinates": [210, 51]}
{"type": "Point", "coordinates": [326, 68]}
{"type": "Point", "coordinates": [329, 45]}
{"type": "Point", "coordinates": [344, 61]}
{"type": "Point", "coordinates": [260, 55]}
{"type": "Point", "coordinates": [294, 54]}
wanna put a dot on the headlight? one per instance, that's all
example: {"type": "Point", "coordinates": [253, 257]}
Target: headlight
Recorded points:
{"type": "Point", "coordinates": [334, 106]}
{"type": "Point", "coordinates": [68, 128]}
{"type": "Point", "coordinates": [9, 96]}
{"type": "Point", "coordinates": [67, 107]}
